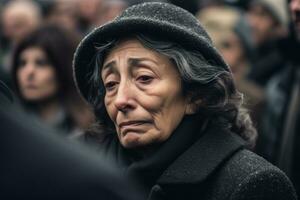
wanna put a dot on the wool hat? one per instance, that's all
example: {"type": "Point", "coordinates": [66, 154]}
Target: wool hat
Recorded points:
{"type": "Point", "coordinates": [222, 21]}
{"type": "Point", "coordinates": [161, 20]}
{"type": "Point", "coordinates": [277, 8]}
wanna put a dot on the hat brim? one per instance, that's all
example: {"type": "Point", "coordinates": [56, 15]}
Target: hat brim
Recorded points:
{"type": "Point", "coordinates": [84, 57]}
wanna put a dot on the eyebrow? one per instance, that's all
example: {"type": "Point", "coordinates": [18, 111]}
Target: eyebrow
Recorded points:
{"type": "Point", "coordinates": [137, 61]}
{"type": "Point", "coordinates": [109, 67]}
{"type": "Point", "coordinates": [132, 62]}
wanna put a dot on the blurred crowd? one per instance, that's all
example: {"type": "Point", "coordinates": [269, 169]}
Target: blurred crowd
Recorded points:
{"type": "Point", "coordinates": [38, 39]}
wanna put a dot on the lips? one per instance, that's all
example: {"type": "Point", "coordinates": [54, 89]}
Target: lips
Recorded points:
{"type": "Point", "coordinates": [29, 84]}
{"type": "Point", "coordinates": [30, 87]}
{"type": "Point", "coordinates": [132, 123]}
{"type": "Point", "coordinates": [135, 126]}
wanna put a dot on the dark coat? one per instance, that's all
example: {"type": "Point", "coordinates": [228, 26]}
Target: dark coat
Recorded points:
{"type": "Point", "coordinates": [218, 167]}
{"type": "Point", "coordinates": [38, 164]}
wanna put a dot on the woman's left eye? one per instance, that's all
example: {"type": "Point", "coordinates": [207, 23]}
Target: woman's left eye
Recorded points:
{"type": "Point", "coordinates": [42, 62]}
{"type": "Point", "coordinates": [145, 79]}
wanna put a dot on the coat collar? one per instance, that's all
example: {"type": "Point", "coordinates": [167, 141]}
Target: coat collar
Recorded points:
{"type": "Point", "coordinates": [202, 158]}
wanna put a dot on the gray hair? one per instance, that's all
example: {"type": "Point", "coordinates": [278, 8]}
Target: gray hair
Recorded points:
{"type": "Point", "coordinates": [201, 79]}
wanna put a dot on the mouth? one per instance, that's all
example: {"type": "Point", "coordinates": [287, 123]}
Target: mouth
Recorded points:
{"type": "Point", "coordinates": [133, 126]}
{"type": "Point", "coordinates": [132, 123]}
{"type": "Point", "coordinates": [30, 86]}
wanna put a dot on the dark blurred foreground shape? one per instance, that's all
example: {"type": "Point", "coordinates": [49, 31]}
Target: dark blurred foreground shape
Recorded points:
{"type": "Point", "coordinates": [37, 164]}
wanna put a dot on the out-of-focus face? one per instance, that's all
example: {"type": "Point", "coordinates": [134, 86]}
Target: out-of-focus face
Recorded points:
{"type": "Point", "coordinates": [109, 11]}
{"type": "Point", "coordinates": [19, 20]}
{"type": "Point", "coordinates": [64, 14]}
{"type": "Point", "coordinates": [261, 22]}
{"type": "Point", "coordinates": [295, 10]}
{"type": "Point", "coordinates": [35, 75]}
{"type": "Point", "coordinates": [233, 53]}
{"type": "Point", "coordinates": [143, 94]}
{"type": "Point", "coordinates": [89, 9]}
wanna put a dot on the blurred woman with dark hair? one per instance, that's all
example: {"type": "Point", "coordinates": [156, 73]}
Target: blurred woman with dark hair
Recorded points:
{"type": "Point", "coordinates": [42, 74]}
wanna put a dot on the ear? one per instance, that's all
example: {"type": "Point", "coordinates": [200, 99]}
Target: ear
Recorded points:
{"type": "Point", "coordinates": [192, 106]}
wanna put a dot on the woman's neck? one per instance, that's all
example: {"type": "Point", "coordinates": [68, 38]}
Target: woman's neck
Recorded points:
{"type": "Point", "coordinates": [144, 152]}
{"type": "Point", "coordinates": [46, 109]}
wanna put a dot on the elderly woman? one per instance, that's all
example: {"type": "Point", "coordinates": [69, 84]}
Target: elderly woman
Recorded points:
{"type": "Point", "coordinates": [168, 110]}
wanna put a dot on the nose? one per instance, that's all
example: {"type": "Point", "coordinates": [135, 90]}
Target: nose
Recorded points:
{"type": "Point", "coordinates": [125, 100]}
{"type": "Point", "coordinates": [28, 70]}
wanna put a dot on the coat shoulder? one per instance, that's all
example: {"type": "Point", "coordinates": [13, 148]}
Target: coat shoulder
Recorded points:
{"type": "Point", "coordinates": [251, 177]}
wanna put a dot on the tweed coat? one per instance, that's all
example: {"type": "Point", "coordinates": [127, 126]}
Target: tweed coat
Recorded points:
{"type": "Point", "coordinates": [218, 167]}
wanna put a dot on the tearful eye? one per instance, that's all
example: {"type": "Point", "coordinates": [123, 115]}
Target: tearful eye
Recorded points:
{"type": "Point", "coordinates": [110, 85]}
{"type": "Point", "coordinates": [145, 79]}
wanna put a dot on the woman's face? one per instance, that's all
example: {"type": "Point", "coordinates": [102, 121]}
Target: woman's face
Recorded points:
{"type": "Point", "coordinates": [143, 94]}
{"type": "Point", "coordinates": [35, 75]}
{"type": "Point", "coordinates": [232, 50]}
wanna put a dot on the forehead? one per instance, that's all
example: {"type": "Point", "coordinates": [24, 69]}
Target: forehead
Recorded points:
{"type": "Point", "coordinates": [130, 53]}
{"type": "Point", "coordinates": [132, 46]}
{"type": "Point", "coordinates": [33, 51]}
{"type": "Point", "coordinates": [132, 49]}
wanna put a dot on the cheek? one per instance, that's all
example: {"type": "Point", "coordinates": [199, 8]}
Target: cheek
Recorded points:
{"type": "Point", "coordinates": [153, 104]}
{"type": "Point", "coordinates": [164, 98]}
{"type": "Point", "coordinates": [266, 25]}
{"type": "Point", "coordinates": [166, 110]}
{"type": "Point", "coordinates": [52, 82]}
{"type": "Point", "coordinates": [48, 81]}
{"type": "Point", "coordinates": [20, 77]}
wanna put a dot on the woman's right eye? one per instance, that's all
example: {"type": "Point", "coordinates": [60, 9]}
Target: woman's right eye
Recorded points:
{"type": "Point", "coordinates": [21, 63]}
{"type": "Point", "coordinates": [110, 85]}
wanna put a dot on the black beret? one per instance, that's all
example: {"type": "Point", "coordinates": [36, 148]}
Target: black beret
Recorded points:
{"type": "Point", "coordinates": [158, 19]}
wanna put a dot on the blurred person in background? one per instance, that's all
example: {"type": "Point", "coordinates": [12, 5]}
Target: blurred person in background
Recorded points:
{"type": "Point", "coordinates": [269, 23]}
{"type": "Point", "coordinates": [168, 111]}
{"type": "Point", "coordinates": [64, 13]}
{"type": "Point", "coordinates": [109, 10]}
{"type": "Point", "coordinates": [230, 33]}
{"type": "Point", "coordinates": [88, 12]}
{"type": "Point", "coordinates": [18, 19]}
{"type": "Point", "coordinates": [42, 74]}
{"type": "Point", "coordinates": [280, 139]}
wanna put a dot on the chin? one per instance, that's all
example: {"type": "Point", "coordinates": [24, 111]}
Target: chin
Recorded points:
{"type": "Point", "coordinates": [32, 98]}
{"type": "Point", "coordinates": [131, 143]}
{"type": "Point", "coordinates": [38, 97]}
{"type": "Point", "coordinates": [134, 140]}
